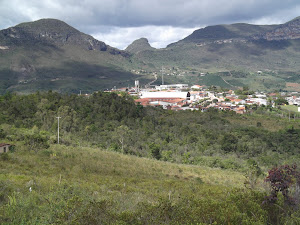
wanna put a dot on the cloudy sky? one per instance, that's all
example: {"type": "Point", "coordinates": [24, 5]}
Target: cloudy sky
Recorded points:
{"type": "Point", "coordinates": [119, 22]}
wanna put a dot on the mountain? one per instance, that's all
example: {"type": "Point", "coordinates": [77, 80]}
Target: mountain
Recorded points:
{"type": "Point", "coordinates": [232, 55]}
{"type": "Point", "coordinates": [141, 44]}
{"type": "Point", "coordinates": [50, 54]}
{"type": "Point", "coordinates": [287, 31]}
{"type": "Point", "coordinates": [221, 32]}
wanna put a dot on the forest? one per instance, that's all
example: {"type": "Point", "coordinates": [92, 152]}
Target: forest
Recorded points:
{"type": "Point", "coordinates": [256, 145]}
{"type": "Point", "coordinates": [115, 123]}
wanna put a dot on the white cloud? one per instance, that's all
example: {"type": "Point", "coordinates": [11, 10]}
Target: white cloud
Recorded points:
{"type": "Point", "coordinates": [158, 36]}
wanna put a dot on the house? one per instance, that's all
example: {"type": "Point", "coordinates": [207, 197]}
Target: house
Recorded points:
{"type": "Point", "coordinates": [165, 95]}
{"type": "Point", "coordinates": [4, 147]}
{"type": "Point", "coordinates": [196, 87]}
{"type": "Point", "coordinates": [160, 101]}
{"type": "Point", "coordinates": [171, 86]}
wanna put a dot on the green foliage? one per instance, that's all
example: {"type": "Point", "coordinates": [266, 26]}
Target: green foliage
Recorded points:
{"type": "Point", "coordinates": [36, 140]}
{"type": "Point", "coordinates": [229, 143]}
{"type": "Point", "coordinates": [281, 101]}
{"type": "Point", "coordinates": [98, 187]}
{"type": "Point", "coordinates": [72, 186]}
{"type": "Point", "coordinates": [252, 174]}
{"type": "Point", "coordinates": [155, 151]}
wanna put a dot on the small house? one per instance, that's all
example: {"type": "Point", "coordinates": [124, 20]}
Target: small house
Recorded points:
{"type": "Point", "coordinates": [4, 147]}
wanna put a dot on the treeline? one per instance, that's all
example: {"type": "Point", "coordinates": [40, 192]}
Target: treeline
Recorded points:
{"type": "Point", "coordinates": [113, 122]}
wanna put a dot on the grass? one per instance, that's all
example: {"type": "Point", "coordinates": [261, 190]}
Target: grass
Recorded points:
{"type": "Point", "coordinates": [291, 108]}
{"type": "Point", "coordinates": [271, 123]}
{"type": "Point", "coordinates": [70, 180]}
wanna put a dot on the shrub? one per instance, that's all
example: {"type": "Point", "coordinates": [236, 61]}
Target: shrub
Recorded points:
{"type": "Point", "coordinates": [281, 179]}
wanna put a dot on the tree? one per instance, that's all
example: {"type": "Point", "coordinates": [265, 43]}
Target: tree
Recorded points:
{"type": "Point", "coordinates": [122, 132]}
{"type": "Point", "coordinates": [229, 143]}
{"type": "Point", "coordinates": [281, 101]}
{"type": "Point", "coordinates": [69, 118]}
{"type": "Point", "coordinates": [36, 140]}
{"type": "Point", "coordinates": [281, 179]}
{"type": "Point", "coordinates": [252, 174]}
{"type": "Point", "coordinates": [155, 151]}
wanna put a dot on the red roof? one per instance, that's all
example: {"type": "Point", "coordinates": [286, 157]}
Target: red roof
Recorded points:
{"type": "Point", "coordinates": [3, 144]}
{"type": "Point", "coordinates": [143, 102]}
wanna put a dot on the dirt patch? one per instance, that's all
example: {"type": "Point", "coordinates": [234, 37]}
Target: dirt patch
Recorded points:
{"type": "Point", "coordinates": [293, 86]}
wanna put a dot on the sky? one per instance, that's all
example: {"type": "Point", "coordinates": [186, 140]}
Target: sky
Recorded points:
{"type": "Point", "coordinates": [120, 22]}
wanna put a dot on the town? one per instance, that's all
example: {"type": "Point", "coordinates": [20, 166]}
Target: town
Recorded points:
{"type": "Point", "coordinates": [200, 97]}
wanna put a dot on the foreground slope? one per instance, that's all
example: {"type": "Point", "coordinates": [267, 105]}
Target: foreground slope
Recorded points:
{"type": "Point", "coordinates": [89, 186]}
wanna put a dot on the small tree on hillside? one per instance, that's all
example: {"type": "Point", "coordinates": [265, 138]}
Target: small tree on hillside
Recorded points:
{"type": "Point", "coordinates": [121, 133]}
{"type": "Point", "coordinates": [281, 179]}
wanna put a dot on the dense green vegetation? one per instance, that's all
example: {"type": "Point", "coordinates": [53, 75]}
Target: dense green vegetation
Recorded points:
{"type": "Point", "coordinates": [114, 122]}
{"type": "Point", "coordinates": [90, 178]}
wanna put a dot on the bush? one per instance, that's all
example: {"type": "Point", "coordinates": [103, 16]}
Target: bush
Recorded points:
{"type": "Point", "coordinates": [4, 156]}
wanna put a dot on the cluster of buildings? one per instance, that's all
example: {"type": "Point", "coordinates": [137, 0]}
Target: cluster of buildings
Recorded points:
{"type": "Point", "coordinates": [182, 97]}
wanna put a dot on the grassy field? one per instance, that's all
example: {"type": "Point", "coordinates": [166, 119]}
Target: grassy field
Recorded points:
{"type": "Point", "coordinates": [291, 108]}
{"type": "Point", "coordinates": [76, 185]}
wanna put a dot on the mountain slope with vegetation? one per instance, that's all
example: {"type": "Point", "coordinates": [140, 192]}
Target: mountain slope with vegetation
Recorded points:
{"type": "Point", "coordinates": [49, 54]}
{"type": "Point", "coordinates": [240, 48]}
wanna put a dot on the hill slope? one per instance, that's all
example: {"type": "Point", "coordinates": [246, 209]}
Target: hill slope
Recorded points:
{"type": "Point", "coordinates": [240, 48]}
{"type": "Point", "coordinates": [88, 186]}
{"type": "Point", "coordinates": [49, 54]}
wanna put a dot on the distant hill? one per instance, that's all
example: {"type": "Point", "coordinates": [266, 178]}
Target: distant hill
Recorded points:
{"type": "Point", "coordinates": [221, 32]}
{"type": "Point", "coordinates": [239, 49]}
{"type": "Point", "coordinates": [141, 44]}
{"type": "Point", "coordinates": [50, 54]}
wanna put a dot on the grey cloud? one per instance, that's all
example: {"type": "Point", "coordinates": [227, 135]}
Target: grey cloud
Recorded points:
{"type": "Point", "coordinates": [103, 16]}
{"type": "Point", "coordinates": [133, 13]}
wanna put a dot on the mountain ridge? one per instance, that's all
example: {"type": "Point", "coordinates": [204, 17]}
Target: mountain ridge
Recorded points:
{"type": "Point", "coordinates": [286, 31]}
{"type": "Point", "coordinates": [56, 32]}
{"type": "Point", "coordinates": [50, 54]}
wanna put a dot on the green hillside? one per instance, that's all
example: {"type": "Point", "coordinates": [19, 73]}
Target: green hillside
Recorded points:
{"type": "Point", "coordinates": [221, 32]}
{"type": "Point", "coordinates": [89, 186]}
{"type": "Point", "coordinates": [49, 54]}
{"type": "Point", "coordinates": [242, 48]}
{"type": "Point", "coordinates": [121, 163]}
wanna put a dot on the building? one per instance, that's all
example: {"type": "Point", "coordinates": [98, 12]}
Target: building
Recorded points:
{"type": "Point", "coordinates": [165, 94]}
{"type": "Point", "coordinates": [171, 86]}
{"type": "Point", "coordinates": [4, 147]}
{"type": "Point", "coordinates": [164, 102]}
{"type": "Point", "coordinates": [196, 87]}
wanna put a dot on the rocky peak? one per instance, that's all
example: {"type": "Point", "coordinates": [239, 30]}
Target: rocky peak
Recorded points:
{"type": "Point", "coordinates": [54, 32]}
{"type": "Point", "coordinates": [286, 31]}
{"type": "Point", "coordinates": [139, 45]}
